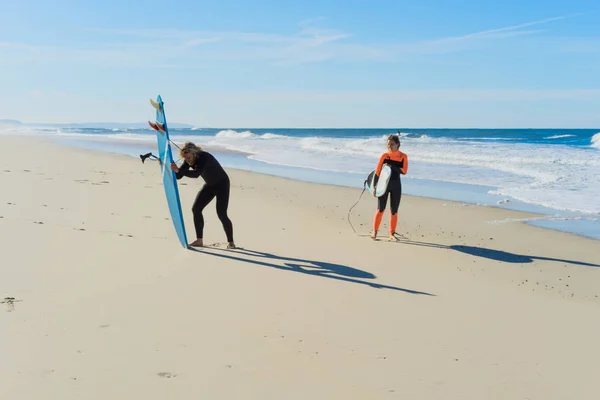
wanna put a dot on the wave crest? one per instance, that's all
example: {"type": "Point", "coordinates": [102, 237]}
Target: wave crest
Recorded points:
{"type": "Point", "coordinates": [596, 141]}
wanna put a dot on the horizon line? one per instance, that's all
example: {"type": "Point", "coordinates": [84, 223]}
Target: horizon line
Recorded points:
{"type": "Point", "coordinates": [306, 127]}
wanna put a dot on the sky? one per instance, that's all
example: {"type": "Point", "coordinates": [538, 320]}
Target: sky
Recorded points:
{"type": "Point", "coordinates": [337, 64]}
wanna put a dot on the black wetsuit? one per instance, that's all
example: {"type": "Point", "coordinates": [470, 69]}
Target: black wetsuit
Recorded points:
{"type": "Point", "coordinates": [394, 191]}
{"type": "Point", "coordinates": [394, 188]}
{"type": "Point", "coordinates": [217, 185]}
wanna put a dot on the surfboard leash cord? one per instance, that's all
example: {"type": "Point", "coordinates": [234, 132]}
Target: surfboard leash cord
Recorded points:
{"type": "Point", "coordinates": [143, 157]}
{"type": "Point", "coordinates": [357, 201]}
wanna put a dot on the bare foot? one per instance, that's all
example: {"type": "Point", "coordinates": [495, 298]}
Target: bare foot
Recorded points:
{"type": "Point", "coordinates": [197, 243]}
{"type": "Point", "coordinates": [393, 237]}
{"type": "Point", "coordinates": [230, 245]}
{"type": "Point", "coordinates": [374, 235]}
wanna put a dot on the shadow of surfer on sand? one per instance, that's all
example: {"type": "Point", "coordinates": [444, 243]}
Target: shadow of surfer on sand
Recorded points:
{"type": "Point", "coordinates": [492, 254]}
{"type": "Point", "coordinates": [309, 267]}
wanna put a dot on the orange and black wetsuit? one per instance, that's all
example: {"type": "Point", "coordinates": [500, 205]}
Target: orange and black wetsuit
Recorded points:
{"type": "Point", "coordinates": [398, 162]}
{"type": "Point", "coordinates": [217, 185]}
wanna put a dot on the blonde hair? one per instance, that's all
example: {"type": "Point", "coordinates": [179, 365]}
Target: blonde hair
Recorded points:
{"type": "Point", "coordinates": [189, 147]}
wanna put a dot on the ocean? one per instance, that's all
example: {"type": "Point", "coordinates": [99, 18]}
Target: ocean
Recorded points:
{"type": "Point", "coordinates": [553, 172]}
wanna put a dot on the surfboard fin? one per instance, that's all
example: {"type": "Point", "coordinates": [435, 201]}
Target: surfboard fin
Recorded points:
{"type": "Point", "coordinates": [157, 126]}
{"type": "Point", "coordinates": [155, 105]}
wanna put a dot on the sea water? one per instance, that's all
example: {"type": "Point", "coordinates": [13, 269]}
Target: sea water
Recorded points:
{"type": "Point", "coordinates": [553, 172]}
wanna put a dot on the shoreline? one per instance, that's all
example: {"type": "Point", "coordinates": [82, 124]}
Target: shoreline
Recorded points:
{"type": "Point", "coordinates": [539, 216]}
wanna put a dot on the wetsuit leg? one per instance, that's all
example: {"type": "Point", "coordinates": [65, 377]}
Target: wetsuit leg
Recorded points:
{"type": "Point", "coordinates": [204, 196]}
{"type": "Point", "coordinates": [222, 205]}
{"type": "Point", "coordinates": [382, 201]}
{"type": "Point", "coordinates": [395, 189]}
{"type": "Point", "coordinates": [381, 204]}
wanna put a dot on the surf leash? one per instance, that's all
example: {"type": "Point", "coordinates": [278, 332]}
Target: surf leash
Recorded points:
{"type": "Point", "coordinates": [161, 128]}
{"type": "Point", "coordinates": [173, 143]}
{"type": "Point", "coordinates": [143, 157]}
{"type": "Point", "coordinates": [357, 201]}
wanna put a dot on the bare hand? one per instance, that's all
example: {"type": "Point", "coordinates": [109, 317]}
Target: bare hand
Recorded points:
{"type": "Point", "coordinates": [174, 167]}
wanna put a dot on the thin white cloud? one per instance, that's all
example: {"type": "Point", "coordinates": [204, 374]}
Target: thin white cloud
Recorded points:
{"type": "Point", "coordinates": [457, 43]}
{"type": "Point", "coordinates": [491, 33]}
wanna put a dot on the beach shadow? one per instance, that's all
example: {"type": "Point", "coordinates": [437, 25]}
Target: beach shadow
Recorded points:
{"type": "Point", "coordinates": [309, 267]}
{"type": "Point", "coordinates": [498, 255]}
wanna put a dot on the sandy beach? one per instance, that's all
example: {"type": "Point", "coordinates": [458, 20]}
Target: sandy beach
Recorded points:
{"type": "Point", "coordinates": [100, 301]}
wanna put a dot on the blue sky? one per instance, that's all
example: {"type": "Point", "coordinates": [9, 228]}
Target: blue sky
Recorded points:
{"type": "Point", "coordinates": [303, 64]}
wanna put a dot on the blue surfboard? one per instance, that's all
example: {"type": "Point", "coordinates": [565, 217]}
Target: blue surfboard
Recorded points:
{"type": "Point", "coordinates": [169, 179]}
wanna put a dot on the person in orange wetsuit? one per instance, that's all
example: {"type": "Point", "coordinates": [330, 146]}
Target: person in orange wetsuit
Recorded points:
{"type": "Point", "coordinates": [398, 162]}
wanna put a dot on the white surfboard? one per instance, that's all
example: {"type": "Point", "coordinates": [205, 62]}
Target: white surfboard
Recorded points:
{"type": "Point", "coordinates": [382, 183]}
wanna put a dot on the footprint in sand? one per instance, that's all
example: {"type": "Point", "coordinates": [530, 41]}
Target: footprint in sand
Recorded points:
{"type": "Point", "coordinates": [7, 170]}
{"type": "Point", "coordinates": [38, 222]}
{"type": "Point", "coordinates": [167, 375]}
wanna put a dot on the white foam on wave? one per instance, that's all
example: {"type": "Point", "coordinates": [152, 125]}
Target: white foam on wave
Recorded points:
{"type": "Point", "coordinates": [559, 136]}
{"type": "Point", "coordinates": [229, 133]}
{"type": "Point", "coordinates": [493, 138]}
{"type": "Point", "coordinates": [542, 218]}
{"type": "Point", "coordinates": [595, 142]}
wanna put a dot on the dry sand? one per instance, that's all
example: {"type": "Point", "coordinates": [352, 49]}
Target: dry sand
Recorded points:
{"type": "Point", "coordinates": [108, 305]}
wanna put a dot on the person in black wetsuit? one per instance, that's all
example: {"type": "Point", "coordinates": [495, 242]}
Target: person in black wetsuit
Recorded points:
{"type": "Point", "coordinates": [398, 162]}
{"type": "Point", "coordinates": [200, 163]}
